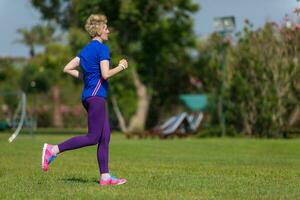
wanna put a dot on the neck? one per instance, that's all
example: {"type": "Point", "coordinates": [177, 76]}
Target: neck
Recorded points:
{"type": "Point", "coordinates": [98, 38]}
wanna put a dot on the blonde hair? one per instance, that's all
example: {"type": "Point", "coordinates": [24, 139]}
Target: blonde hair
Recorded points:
{"type": "Point", "coordinates": [95, 24]}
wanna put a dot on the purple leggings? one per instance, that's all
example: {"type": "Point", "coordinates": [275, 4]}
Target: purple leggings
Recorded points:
{"type": "Point", "coordinates": [98, 132]}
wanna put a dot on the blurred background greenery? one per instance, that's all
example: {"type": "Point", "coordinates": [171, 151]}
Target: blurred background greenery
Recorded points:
{"type": "Point", "coordinates": [250, 77]}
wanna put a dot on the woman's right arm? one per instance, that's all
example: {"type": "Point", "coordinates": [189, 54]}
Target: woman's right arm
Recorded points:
{"type": "Point", "coordinates": [70, 68]}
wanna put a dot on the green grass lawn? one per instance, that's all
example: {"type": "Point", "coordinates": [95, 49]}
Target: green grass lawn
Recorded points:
{"type": "Point", "coordinates": [155, 169]}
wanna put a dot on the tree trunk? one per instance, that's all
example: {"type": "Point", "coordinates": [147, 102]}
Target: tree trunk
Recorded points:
{"type": "Point", "coordinates": [120, 117]}
{"type": "Point", "coordinates": [57, 116]}
{"type": "Point", "coordinates": [32, 51]}
{"type": "Point", "coordinates": [294, 117]}
{"type": "Point", "coordinates": [138, 120]}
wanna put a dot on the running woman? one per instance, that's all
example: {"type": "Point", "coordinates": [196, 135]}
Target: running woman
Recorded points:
{"type": "Point", "coordinates": [94, 62]}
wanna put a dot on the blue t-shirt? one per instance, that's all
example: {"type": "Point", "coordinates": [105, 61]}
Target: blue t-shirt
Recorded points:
{"type": "Point", "coordinates": [90, 57]}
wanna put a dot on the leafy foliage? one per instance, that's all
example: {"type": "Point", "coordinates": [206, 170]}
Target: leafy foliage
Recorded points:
{"type": "Point", "coordinates": [261, 84]}
{"type": "Point", "coordinates": [154, 35]}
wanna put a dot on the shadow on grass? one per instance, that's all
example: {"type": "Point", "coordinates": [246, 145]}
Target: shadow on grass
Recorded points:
{"type": "Point", "coordinates": [78, 180]}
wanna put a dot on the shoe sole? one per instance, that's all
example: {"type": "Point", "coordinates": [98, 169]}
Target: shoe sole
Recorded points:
{"type": "Point", "coordinates": [43, 156]}
{"type": "Point", "coordinates": [122, 183]}
{"type": "Point", "coordinates": [112, 184]}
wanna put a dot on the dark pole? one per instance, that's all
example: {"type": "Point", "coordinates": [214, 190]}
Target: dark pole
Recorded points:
{"type": "Point", "coordinates": [224, 26]}
{"type": "Point", "coordinates": [223, 74]}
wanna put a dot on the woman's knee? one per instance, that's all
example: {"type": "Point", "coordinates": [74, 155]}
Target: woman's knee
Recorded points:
{"type": "Point", "coordinates": [105, 140]}
{"type": "Point", "coordinates": [93, 140]}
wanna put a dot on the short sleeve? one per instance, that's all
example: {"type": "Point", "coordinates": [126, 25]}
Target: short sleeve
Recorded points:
{"type": "Point", "coordinates": [104, 53]}
{"type": "Point", "coordinates": [79, 55]}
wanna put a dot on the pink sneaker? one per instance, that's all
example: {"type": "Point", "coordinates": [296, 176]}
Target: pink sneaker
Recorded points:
{"type": "Point", "coordinates": [113, 181]}
{"type": "Point", "coordinates": [47, 156]}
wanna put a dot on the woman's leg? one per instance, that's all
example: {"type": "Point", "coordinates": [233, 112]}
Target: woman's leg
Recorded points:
{"type": "Point", "coordinates": [103, 147]}
{"type": "Point", "coordinates": [96, 110]}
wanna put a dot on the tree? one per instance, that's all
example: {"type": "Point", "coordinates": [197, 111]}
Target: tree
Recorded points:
{"type": "Point", "coordinates": [46, 71]}
{"type": "Point", "coordinates": [37, 35]}
{"type": "Point", "coordinates": [261, 84]}
{"type": "Point", "coordinates": [208, 69]}
{"type": "Point", "coordinates": [9, 78]}
{"type": "Point", "coordinates": [155, 35]}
